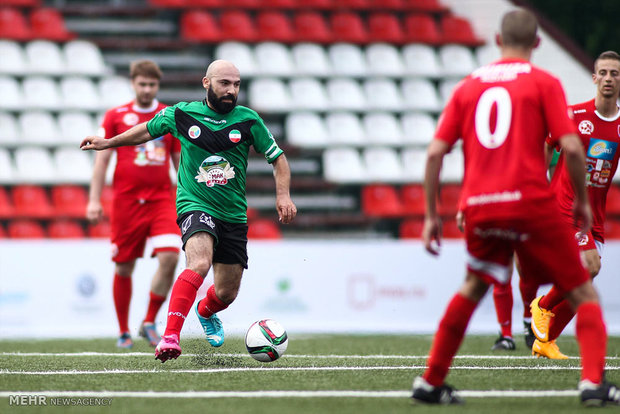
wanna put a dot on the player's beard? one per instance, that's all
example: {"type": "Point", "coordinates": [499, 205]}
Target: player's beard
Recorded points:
{"type": "Point", "coordinates": [217, 103]}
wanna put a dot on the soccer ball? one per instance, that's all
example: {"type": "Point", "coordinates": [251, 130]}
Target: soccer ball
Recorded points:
{"type": "Point", "coordinates": [266, 340]}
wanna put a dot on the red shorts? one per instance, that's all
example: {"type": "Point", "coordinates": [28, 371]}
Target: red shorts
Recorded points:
{"type": "Point", "coordinates": [133, 222]}
{"type": "Point", "coordinates": [545, 246]}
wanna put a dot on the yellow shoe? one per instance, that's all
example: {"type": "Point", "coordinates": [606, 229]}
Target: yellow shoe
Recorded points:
{"type": "Point", "coordinates": [547, 350]}
{"type": "Point", "coordinates": [540, 320]}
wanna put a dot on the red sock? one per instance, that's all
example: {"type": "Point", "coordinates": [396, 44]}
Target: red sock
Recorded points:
{"type": "Point", "coordinates": [210, 304]}
{"type": "Point", "coordinates": [502, 297]}
{"type": "Point", "coordinates": [121, 291]}
{"type": "Point", "coordinates": [528, 294]}
{"type": "Point", "coordinates": [563, 315]}
{"type": "Point", "coordinates": [181, 300]}
{"type": "Point", "coordinates": [448, 338]}
{"type": "Point", "coordinates": [551, 299]}
{"type": "Point", "coordinates": [155, 302]}
{"type": "Point", "coordinates": [592, 338]}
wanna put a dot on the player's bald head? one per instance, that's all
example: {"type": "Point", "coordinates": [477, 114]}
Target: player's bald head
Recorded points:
{"type": "Point", "coordinates": [519, 29]}
{"type": "Point", "coordinates": [220, 67]}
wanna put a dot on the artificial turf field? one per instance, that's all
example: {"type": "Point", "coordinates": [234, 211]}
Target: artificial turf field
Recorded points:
{"type": "Point", "coordinates": [319, 374]}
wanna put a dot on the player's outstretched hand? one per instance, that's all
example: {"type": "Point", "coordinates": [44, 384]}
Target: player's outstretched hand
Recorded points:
{"type": "Point", "coordinates": [431, 235]}
{"type": "Point", "coordinates": [582, 214]}
{"type": "Point", "coordinates": [93, 142]}
{"type": "Point", "coordinates": [286, 209]}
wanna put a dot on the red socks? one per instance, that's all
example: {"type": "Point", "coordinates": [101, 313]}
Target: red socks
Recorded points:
{"type": "Point", "coordinates": [121, 291]}
{"type": "Point", "coordinates": [448, 338]}
{"type": "Point", "coordinates": [563, 315]}
{"type": "Point", "coordinates": [155, 303]}
{"type": "Point", "coordinates": [551, 299]}
{"type": "Point", "coordinates": [528, 294]}
{"type": "Point", "coordinates": [181, 300]}
{"type": "Point", "coordinates": [502, 298]}
{"type": "Point", "coordinates": [592, 337]}
{"type": "Point", "coordinates": [210, 304]}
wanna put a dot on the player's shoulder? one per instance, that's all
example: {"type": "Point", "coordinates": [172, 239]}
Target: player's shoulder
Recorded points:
{"type": "Point", "coordinates": [583, 107]}
{"type": "Point", "coordinates": [126, 107]}
{"type": "Point", "coordinates": [245, 112]}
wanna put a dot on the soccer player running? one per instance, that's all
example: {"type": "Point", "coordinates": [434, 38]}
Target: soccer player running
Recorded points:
{"type": "Point", "coordinates": [143, 203]}
{"type": "Point", "coordinates": [216, 135]}
{"type": "Point", "coordinates": [504, 112]}
{"type": "Point", "coordinates": [598, 122]}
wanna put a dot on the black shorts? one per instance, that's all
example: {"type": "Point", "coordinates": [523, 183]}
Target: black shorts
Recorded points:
{"type": "Point", "coordinates": [231, 239]}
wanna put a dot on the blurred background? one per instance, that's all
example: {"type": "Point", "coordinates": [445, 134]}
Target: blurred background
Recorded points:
{"type": "Point", "coordinates": [351, 89]}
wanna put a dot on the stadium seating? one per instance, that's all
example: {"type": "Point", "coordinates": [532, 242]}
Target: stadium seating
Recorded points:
{"type": "Point", "coordinates": [273, 59]}
{"type": "Point", "coordinates": [9, 130]}
{"type": "Point", "coordinates": [385, 27]}
{"type": "Point", "coordinates": [455, 29]}
{"type": "Point", "coordinates": [449, 199]}
{"type": "Point", "coordinates": [412, 197]}
{"type": "Point", "coordinates": [411, 229]}
{"type": "Point", "coordinates": [382, 128]}
{"type": "Point", "coordinates": [100, 230]}
{"type": "Point", "coordinates": [13, 60]}
{"type": "Point", "coordinates": [34, 165]}
{"type": "Point", "coordinates": [275, 26]}
{"type": "Point", "coordinates": [14, 25]}
{"type": "Point", "coordinates": [311, 26]}
{"type": "Point", "coordinates": [306, 129]}
{"type": "Point", "coordinates": [200, 26]}
{"type": "Point", "coordinates": [263, 229]}
{"type": "Point", "coordinates": [26, 229]}
{"type": "Point", "coordinates": [422, 28]}
{"type": "Point", "coordinates": [384, 60]}
{"type": "Point", "coordinates": [45, 58]}
{"type": "Point", "coordinates": [32, 201]}
{"type": "Point", "coordinates": [380, 200]}
{"type": "Point", "coordinates": [308, 94]}
{"type": "Point", "coordinates": [450, 229]}
{"type": "Point", "coordinates": [12, 94]}
{"type": "Point", "coordinates": [241, 54]}
{"type": "Point", "coordinates": [348, 27]}
{"type": "Point", "coordinates": [7, 210]}
{"type": "Point", "coordinates": [3, 233]}
{"type": "Point", "coordinates": [69, 201]}
{"type": "Point", "coordinates": [48, 23]}
{"type": "Point", "coordinates": [84, 58]}
{"type": "Point", "coordinates": [237, 25]}
{"type": "Point", "coordinates": [65, 229]}
{"type": "Point", "coordinates": [343, 165]}
{"type": "Point", "coordinates": [345, 128]}
{"type": "Point", "coordinates": [382, 164]}
{"type": "Point", "coordinates": [38, 128]}
{"type": "Point", "coordinates": [7, 169]}
{"type": "Point", "coordinates": [310, 60]}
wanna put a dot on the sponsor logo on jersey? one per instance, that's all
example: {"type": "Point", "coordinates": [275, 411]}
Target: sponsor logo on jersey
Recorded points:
{"type": "Point", "coordinates": [586, 127]}
{"type": "Point", "coordinates": [214, 121]}
{"type": "Point", "coordinates": [579, 111]}
{"type": "Point", "coordinates": [194, 131]}
{"type": "Point", "coordinates": [208, 220]}
{"type": "Point", "coordinates": [186, 223]}
{"type": "Point", "coordinates": [130, 119]}
{"type": "Point", "coordinates": [601, 149]}
{"type": "Point", "coordinates": [215, 170]}
{"type": "Point", "coordinates": [234, 136]}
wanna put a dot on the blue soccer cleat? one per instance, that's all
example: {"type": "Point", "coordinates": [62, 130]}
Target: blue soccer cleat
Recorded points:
{"type": "Point", "coordinates": [124, 341]}
{"type": "Point", "coordinates": [213, 328]}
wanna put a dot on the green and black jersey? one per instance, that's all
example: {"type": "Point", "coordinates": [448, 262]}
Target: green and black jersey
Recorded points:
{"type": "Point", "coordinates": [214, 155]}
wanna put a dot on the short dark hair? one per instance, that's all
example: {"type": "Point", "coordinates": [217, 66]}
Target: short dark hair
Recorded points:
{"type": "Point", "coordinates": [519, 29]}
{"type": "Point", "coordinates": [146, 68]}
{"type": "Point", "coordinates": [609, 54]}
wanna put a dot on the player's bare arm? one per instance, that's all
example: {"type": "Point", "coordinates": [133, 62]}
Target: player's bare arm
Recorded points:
{"type": "Point", "coordinates": [431, 232]}
{"type": "Point", "coordinates": [575, 164]}
{"type": "Point", "coordinates": [284, 205]}
{"type": "Point", "coordinates": [94, 209]}
{"type": "Point", "coordinates": [137, 135]}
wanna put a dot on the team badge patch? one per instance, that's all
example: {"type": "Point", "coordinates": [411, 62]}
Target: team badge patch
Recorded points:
{"type": "Point", "coordinates": [130, 119]}
{"type": "Point", "coordinates": [234, 136]}
{"type": "Point", "coordinates": [194, 132]}
{"type": "Point", "coordinates": [586, 127]}
{"type": "Point", "coordinates": [215, 170]}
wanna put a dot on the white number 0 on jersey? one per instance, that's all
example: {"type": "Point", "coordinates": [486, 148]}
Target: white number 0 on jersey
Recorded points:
{"type": "Point", "coordinates": [500, 97]}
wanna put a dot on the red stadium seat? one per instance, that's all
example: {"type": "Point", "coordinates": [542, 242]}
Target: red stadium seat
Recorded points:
{"type": "Point", "coordinates": [237, 25]}
{"type": "Point", "coordinates": [348, 27]}
{"type": "Point", "coordinates": [352, 4]}
{"type": "Point", "coordinates": [385, 27]}
{"type": "Point", "coordinates": [312, 27]}
{"type": "Point", "coordinates": [613, 200]}
{"type": "Point", "coordinates": [32, 201]}
{"type": "Point", "coordinates": [26, 229]}
{"type": "Point", "coordinates": [411, 229]}
{"type": "Point", "coordinates": [450, 230]}
{"type": "Point", "coordinates": [449, 199]}
{"type": "Point", "coordinates": [274, 26]}
{"type": "Point", "coordinates": [422, 28]}
{"type": "Point", "coordinates": [13, 25]}
{"type": "Point", "coordinates": [386, 4]}
{"type": "Point", "coordinates": [412, 196]}
{"type": "Point", "coordinates": [200, 26]}
{"type": "Point", "coordinates": [263, 229]}
{"type": "Point", "coordinates": [430, 6]}
{"type": "Point", "coordinates": [251, 213]}
{"type": "Point", "coordinates": [280, 4]}
{"type": "Point", "coordinates": [318, 4]}
{"type": "Point", "coordinates": [69, 201]}
{"type": "Point", "coordinates": [7, 210]}
{"type": "Point", "coordinates": [49, 24]}
{"type": "Point", "coordinates": [380, 200]}
{"type": "Point", "coordinates": [242, 4]}
{"type": "Point", "coordinates": [3, 234]}
{"type": "Point", "coordinates": [100, 230]}
{"type": "Point", "coordinates": [21, 3]}
{"type": "Point", "coordinates": [65, 229]}
{"type": "Point", "coordinates": [456, 29]}
{"type": "Point", "coordinates": [169, 4]}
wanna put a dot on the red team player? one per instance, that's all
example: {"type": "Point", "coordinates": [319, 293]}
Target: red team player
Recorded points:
{"type": "Point", "coordinates": [598, 122]}
{"type": "Point", "coordinates": [503, 112]}
{"type": "Point", "coordinates": [143, 206]}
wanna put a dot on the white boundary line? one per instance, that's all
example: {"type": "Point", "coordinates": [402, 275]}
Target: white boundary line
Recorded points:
{"type": "Point", "coordinates": [281, 394]}
{"type": "Point", "coordinates": [290, 356]}
{"type": "Point", "coordinates": [278, 369]}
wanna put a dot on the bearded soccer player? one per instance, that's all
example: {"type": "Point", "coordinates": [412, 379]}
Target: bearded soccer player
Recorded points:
{"type": "Point", "coordinates": [216, 135]}
{"type": "Point", "coordinates": [143, 204]}
{"type": "Point", "coordinates": [503, 112]}
{"type": "Point", "coordinates": [598, 122]}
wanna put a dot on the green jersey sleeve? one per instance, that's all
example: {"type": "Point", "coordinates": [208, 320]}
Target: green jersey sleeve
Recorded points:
{"type": "Point", "coordinates": [264, 142]}
{"type": "Point", "coordinates": [163, 123]}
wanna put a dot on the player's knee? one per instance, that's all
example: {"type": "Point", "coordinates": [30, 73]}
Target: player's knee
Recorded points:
{"type": "Point", "coordinates": [227, 294]}
{"type": "Point", "coordinates": [582, 294]}
{"type": "Point", "coordinates": [168, 261]}
{"type": "Point", "coordinates": [200, 266]}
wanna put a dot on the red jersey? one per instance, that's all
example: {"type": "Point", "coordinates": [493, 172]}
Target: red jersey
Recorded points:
{"type": "Point", "coordinates": [142, 171]}
{"type": "Point", "coordinates": [600, 137]}
{"type": "Point", "coordinates": [503, 112]}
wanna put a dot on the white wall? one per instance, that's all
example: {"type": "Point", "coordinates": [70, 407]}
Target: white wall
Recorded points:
{"type": "Point", "coordinates": [63, 289]}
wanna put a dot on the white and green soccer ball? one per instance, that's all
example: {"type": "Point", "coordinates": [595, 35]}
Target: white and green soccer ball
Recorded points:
{"type": "Point", "coordinates": [266, 340]}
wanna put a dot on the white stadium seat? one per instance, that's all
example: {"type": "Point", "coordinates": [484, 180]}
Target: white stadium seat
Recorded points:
{"type": "Point", "coordinates": [382, 94]}
{"type": "Point", "coordinates": [347, 60]}
{"type": "Point", "coordinates": [306, 130]}
{"type": "Point", "coordinates": [9, 130]}
{"type": "Point", "coordinates": [11, 93]}
{"type": "Point", "coordinates": [382, 164]}
{"type": "Point", "coordinates": [73, 165]}
{"type": "Point", "coordinates": [421, 60]}
{"type": "Point", "coordinates": [13, 60]}
{"type": "Point", "coordinates": [384, 60]}
{"type": "Point", "coordinates": [382, 128]}
{"type": "Point", "coordinates": [486, 54]}
{"type": "Point", "coordinates": [41, 93]}
{"type": "Point", "coordinates": [7, 169]}
{"type": "Point", "coordinates": [310, 60]}
{"type": "Point", "coordinates": [241, 54]}
{"type": "Point", "coordinates": [308, 94]}
{"type": "Point", "coordinates": [114, 91]}
{"type": "Point", "coordinates": [346, 94]}
{"type": "Point", "coordinates": [345, 128]}
{"type": "Point", "coordinates": [420, 95]}
{"type": "Point", "coordinates": [45, 58]}
{"type": "Point", "coordinates": [80, 93]}
{"type": "Point", "coordinates": [84, 58]}
{"type": "Point", "coordinates": [456, 60]}
{"type": "Point", "coordinates": [74, 126]}
{"type": "Point", "coordinates": [446, 87]}
{"type": "Point", "coordinates": [273, 59]}
{"type": "Point", "coordinates": [418, 128]}
{"type": "Point", "coordinates": [414, 164]}
{"type": "Point", "coordinates": [34, 165]}
{"type": "Point", "coordinates": [38, 128]}
{"type": "Point", "coordinates": [453, 164]}
{"type": "Point", "coordinates": [343, 165]}
{"type": "Point", "coordinates": [269, 95]}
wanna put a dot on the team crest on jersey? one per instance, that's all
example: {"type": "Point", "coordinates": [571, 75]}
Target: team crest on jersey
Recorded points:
{"type": "Point", "coordinates": [130, 119]}
{"type": "Point", "coordinates": [234, 136]}
{"type": "Point", "coordinates": [215, 170]}
{"type": "Point", "coordinates": [194, 131]}
{"type": "Point", "coordinates": [583, 240]}
{"type": "Point", "coordinates": [586, 127]}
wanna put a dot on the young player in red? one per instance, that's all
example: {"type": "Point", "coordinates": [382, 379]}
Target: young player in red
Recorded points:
{"type": "Point", "coordinates": [143, 206]}
{"type": "Point", "coordinates": [598, 122]}
{"type": "Point", "coordinates": [503, 112]}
